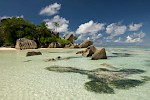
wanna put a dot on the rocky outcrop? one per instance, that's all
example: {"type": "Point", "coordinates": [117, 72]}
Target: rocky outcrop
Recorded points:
{"type": "Point", "coordinates": [54, 45]}
{"type": "Point", "coordinates": [94, 52]}
{"type": "Point", "coordinates": [70, 38]}
{"type": "Point", "coordinates": [89, 51]}
{"type": "Point", "coordinates": [24, 43]}
{"type": "Point", "coordinates": [85, 44]}
{"type": "Point", "coordinates": [74, 46]}
{"type": "Point", "coordinates": [33, 53]}
{"type": "Point", "coordinates": [99, 54]}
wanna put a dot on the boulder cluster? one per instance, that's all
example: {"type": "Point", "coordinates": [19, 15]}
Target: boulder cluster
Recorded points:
{"type": "Point", "coordinates": [93, 52]}
{"type": "Point", "coordinates": [24, 43]}
{"type": "Point", "coordinates": [90, 51]}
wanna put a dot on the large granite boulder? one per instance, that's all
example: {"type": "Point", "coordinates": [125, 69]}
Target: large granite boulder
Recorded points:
{"type": "Point", "coordinates": [89, 51]}
{"type": "Point", "coordinates": [85, 44]}
{"type": "Point", "coordinates": [33, 53]}
{"type": "Point", "coordinates": [70, 38]}
{"type": "Point", "coordinates": [54, 45]}
{"type": "Point", "coordinates": [99, 54]}
{"type": "Point", "coordinates": [24, 43]}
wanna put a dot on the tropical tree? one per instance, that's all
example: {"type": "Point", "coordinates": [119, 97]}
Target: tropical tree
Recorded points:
{"type": "Point", "coordinates": [56, 24]}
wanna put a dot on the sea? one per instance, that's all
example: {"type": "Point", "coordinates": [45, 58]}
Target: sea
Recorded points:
{"type": "Point", "coordinates": [26, 78]}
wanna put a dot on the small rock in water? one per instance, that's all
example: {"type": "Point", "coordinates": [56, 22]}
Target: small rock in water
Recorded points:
{"type": "Point", "coordinates": [58, 57]}
{"type": "Point", "coordinates": [33, 53]}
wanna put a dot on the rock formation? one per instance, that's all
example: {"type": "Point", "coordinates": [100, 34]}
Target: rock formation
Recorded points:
{"type": "Point", "coordinates": [85, 44]}
{"type": "Point", "coordinates": [99, 54]}
{"type": "Point", "coordinates": [54, 45]}
{"type": "Point", "coordinates": [74, 46]}
{"type": "Point", "coordinates": [89, 51]}
{"type": "Point", "coordinates": [70, 38]}
{"type": "Point", "coordinates": [24, 43]}
{"type": "Point", "coordinates": [94, 52]}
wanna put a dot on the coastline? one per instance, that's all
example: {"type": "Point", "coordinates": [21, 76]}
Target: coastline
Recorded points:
{"type": "Point", "coordinates": [5, 48]}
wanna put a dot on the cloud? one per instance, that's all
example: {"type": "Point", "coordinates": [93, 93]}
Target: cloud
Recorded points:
{"type": "Point", "coordinates": [119, 40]}
{"type": "Point", "coordinates": [115, 29]}
{"type": "Point", "coordinates": [94, 36]}
{"type": "Point", "coordinates": [135, 27]}
{"type": "Point", "coordinates": [63, 24]}
{"type": "Point", "coordinates": [136, 37]}
{"type": "Point", "coordinates": [5, 17]}
{"type": "Point", "coordinates": [50, 10]}
{"type": "Point", "coordinates": [90, 27]}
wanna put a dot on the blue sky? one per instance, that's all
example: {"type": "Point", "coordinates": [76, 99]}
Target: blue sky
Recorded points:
{"type": "Point", "coordinates": [103, 21]}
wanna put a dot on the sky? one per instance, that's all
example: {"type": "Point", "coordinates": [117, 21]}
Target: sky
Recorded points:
{"type": "Point", "coordinates": [115, 22]}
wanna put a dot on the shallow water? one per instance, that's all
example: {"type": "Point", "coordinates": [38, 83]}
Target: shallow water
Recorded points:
{"type": "Point", "coordinates": [25, 78]}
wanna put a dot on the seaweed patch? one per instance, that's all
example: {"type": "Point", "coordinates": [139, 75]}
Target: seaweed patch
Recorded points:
{"type": "Point", "coordinates": [103, 80]}
{"type": "Point", "coordinates": [122, 54]}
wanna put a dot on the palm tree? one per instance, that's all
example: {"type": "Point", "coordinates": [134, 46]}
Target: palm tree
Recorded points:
{"type": "Point", "coordinates": [56, 24]}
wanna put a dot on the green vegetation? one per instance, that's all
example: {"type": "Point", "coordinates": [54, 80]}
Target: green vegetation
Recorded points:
{"type": "Point", "coordinates": [14, 28]}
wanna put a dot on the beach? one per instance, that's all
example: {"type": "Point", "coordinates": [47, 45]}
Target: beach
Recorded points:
{"type": "Point", "coordinates": [4, 48]}
{"type": "Point", "coordinates": [26, 78]}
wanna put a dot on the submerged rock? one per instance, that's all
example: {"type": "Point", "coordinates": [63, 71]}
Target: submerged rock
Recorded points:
{"type": "Point", "coordinates": [108, 66]}
{"type": "Point", "coordinates": [102, 79]}
{"type": "Point", "coordinates": [60, 58]}
{"type": "Point", "coordinates": [99, 54]}
{"type": "Point", "coordinates": [98, 86]}
{"type": "Point", "coordinates": [122, 54]}
{"type": "Point", "coordinates": [126, 83]}
{"type": "Point", "coordinates": [132, 71]}
{"type": "Point", "coordinates": [79, 52]}
{"type": "Point", "coordinates": [145, 78]}
{"type": "Point", "coordinates": [33, 53]}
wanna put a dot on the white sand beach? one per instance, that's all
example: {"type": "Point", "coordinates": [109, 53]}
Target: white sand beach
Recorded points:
{"type": "Point", "coordinates": [5, 48]}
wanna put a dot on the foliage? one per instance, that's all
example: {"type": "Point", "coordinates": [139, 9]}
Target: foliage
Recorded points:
{"type": "Point", "coordinates": [63, 41]}
{"type": "Point", "coordinates": [14, 28]}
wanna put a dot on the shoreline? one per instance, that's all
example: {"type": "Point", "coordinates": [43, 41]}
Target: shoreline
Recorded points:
{"type": "Point", "coordinates": [5, 48]}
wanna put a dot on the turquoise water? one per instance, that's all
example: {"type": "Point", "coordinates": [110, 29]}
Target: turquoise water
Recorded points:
{"type": "Point", "coordinates": [25, 78]}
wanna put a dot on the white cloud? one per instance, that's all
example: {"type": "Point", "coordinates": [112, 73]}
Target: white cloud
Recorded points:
{"type": "Point", "coordinates": [63, 24]}
{"type": "Point", "coordinates": [139, 35]}
{"type": "Point", "coordinates": [119, 40]}
{"type": "Point", "coordinates": [94, 37]}
{"type": "Point", "coordinates": [4, 17]}
{"type": "Point", "coordinates": [135, 27]}
{"type": "Point", "coordinates": [50, 10]}
{"type": "Point", "coordinates": [90, 27]}
{"type": "Point", "coordinates": [115, 29]}
{"type": "Point", "coordinates": [133, 40]}
{"type": "Point", "coordinates": [136, 37]}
